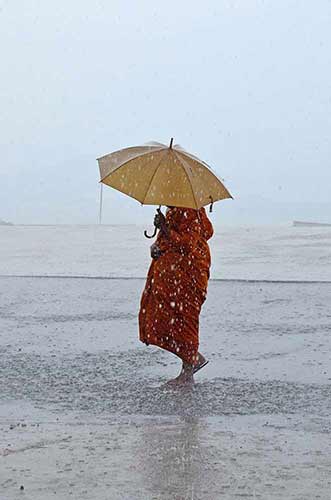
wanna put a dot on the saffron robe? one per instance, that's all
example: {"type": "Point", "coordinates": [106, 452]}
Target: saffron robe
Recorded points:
{"type": "Point", "coordinates": [176, 285]}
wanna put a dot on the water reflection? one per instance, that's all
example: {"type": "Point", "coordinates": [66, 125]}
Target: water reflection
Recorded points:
{"type": "Point", "coordinates": [171, 457]}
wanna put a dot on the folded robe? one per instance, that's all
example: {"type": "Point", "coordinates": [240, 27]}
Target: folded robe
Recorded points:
{"type": "Point", "coordinates": [176, 285]}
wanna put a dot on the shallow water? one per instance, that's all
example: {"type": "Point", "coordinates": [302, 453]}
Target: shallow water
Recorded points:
{"type": "Point", "coordinates": [265, 252]}
{"type": "Point", "coordinates": [84, 415]}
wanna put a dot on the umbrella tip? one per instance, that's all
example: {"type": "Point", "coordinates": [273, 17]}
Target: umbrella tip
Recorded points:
{"type": "Point", "coordinates": [171, 141]}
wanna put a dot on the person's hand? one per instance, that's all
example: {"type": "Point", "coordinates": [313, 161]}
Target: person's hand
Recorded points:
{"type": "Point", "coordinates": [155, 251]}
{"type": "Point", "coordinates": [159, 220]}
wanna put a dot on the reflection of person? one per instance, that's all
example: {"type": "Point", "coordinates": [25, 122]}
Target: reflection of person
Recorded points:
{"type": "Point", "coordinates": [176, 287]}
{"type": "Point", "coordinates": [173, 459]}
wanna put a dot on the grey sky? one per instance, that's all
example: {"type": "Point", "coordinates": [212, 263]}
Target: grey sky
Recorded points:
{"type": "Point", "coordinates": [243, 84]}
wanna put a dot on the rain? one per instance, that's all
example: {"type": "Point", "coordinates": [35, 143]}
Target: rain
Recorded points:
{"type": "Point", "coordinates": [185, 365]}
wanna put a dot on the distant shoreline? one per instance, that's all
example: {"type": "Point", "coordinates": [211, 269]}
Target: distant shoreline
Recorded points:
{"type": "Point", "coordinates": [217, 225]}
{"type": "Point", "coordinates": [143, 278]}
{"type": "Point", "coordinates": [297, 223]}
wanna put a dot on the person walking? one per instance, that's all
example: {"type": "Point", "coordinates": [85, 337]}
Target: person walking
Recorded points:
{"type": "Point", "coordinates": [176, 287]}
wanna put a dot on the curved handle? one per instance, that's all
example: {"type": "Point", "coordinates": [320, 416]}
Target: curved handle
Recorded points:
{"type": "Point", "coordinates": [152, 235]}
{"type": "Point", "coordinates": [155, 230]}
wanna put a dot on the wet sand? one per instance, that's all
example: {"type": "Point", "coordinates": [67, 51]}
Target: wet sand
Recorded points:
{"type": "Point", "coordinates": [83, 413]}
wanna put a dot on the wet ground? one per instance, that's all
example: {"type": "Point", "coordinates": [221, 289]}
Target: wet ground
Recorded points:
{"type": "Point", "coordinates": [83, 413]}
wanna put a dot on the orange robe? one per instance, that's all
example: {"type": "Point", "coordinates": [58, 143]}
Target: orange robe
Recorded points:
{"type": "Point", "coordinates": [176, 285]}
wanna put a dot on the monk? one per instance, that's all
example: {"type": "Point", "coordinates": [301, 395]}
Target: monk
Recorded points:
{"type": "Point", "coordinates": [176, 287]}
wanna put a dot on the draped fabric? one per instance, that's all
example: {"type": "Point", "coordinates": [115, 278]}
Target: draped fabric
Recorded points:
{"type": "Point", "coordinates": [176, 285]}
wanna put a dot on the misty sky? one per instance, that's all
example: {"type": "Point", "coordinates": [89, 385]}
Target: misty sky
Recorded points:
{"type": "Point", "coordinates": [245, 85]}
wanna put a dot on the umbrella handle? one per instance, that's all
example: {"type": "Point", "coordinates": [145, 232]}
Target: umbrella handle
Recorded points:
{"type": "Point", "coordinates": [158, 210]}
{"type": "Point", "coordinates": [152, 235]}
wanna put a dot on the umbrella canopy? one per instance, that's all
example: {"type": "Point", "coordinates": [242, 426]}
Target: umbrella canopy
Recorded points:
{"type": "Point", "coordinates": [156, 174]}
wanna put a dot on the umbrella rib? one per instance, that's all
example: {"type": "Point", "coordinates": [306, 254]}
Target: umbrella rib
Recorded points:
{"type": "Point", "coordinates": [152, 178]}
{"type": "Point", "coordinates": [128, 161]}
{"type": "Point", "coordinates": [157, 148]}
{"type": "Point", "coordinates": [124, 192]}
{"type": "Point", "coordinates": [196, 160]}
{"type": "Point", "coordinates": [189, 179]}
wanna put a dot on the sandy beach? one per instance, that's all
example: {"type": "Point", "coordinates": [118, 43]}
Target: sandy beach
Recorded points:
{"type": "Point", "coordinates": [82, 410]}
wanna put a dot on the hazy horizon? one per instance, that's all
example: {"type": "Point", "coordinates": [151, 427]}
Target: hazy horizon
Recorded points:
{"type": "Point", "coordinates": [244, 85]}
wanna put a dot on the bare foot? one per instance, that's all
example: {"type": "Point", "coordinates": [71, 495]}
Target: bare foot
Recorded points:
{"type": "Point", "coordinates": [184, 378]}
{"type": "Point", "coordinates": [180, 381]}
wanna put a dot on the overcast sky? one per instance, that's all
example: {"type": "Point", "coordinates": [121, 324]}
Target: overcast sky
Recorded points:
{"type": "Point", "coordinates": [244, 84]}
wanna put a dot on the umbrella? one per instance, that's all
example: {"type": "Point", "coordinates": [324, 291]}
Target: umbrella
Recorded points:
{"type": "Point", "coordinates": [156, 174]}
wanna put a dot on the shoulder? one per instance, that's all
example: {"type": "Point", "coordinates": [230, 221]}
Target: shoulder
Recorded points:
{"type": "Point", "coordinates": [187, 215]}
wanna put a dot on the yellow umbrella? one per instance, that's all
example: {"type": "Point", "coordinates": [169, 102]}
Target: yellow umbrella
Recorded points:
{"type": "Point", "coordinates": [156, 174]}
